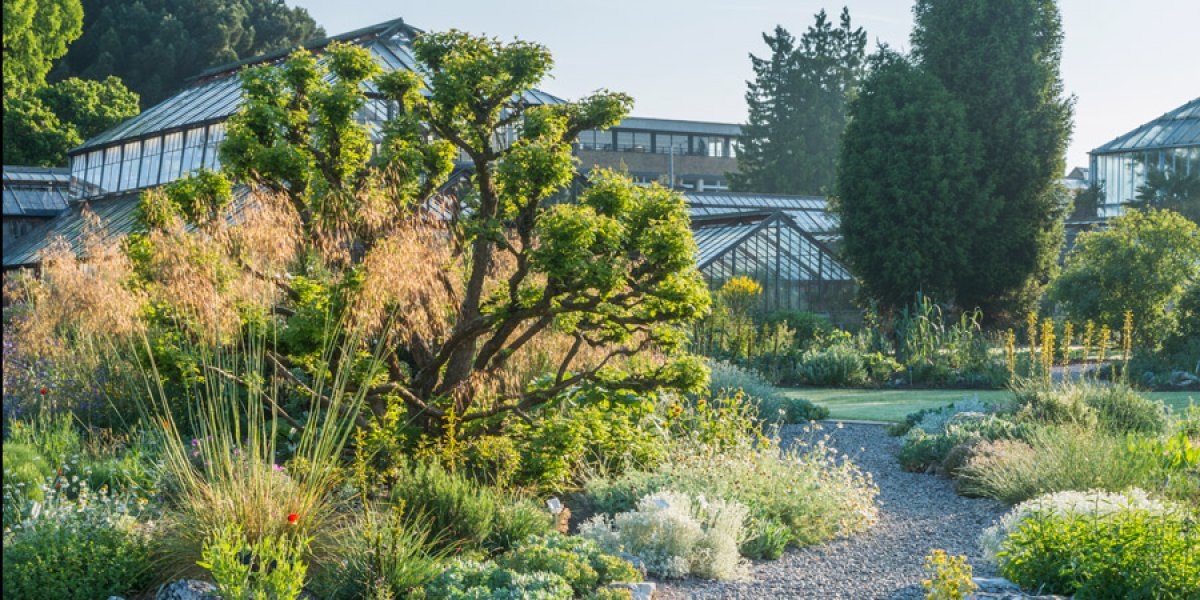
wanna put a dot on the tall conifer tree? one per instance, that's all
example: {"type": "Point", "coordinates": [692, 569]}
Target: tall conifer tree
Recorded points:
{"type": "Point", "coordinates": [1000, 59]}
{"type": "Point", "coordinates": [797, 107]}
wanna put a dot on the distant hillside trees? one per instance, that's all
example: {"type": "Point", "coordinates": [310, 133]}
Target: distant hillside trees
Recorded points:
{"type": "Point", "coordinates": [42, 122]}
{"type": "Point", "coordinates": [155, 45]}
{"type": "Point", "coordinates": [797, 107]}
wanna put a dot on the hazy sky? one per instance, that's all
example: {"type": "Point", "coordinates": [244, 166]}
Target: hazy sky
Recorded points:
{"type": "Point", "coordinates": [1125, 62]}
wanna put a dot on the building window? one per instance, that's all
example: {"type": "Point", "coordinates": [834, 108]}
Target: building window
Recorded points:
{"type": "Point", "coordinates": [666, 143]}
{"type": "Point", "coordinates": [193, 150]}
{"type": "Point", "coordinates": [212, 157]}
{"type": "Point", "coordinates": [112, 168]}
{"type": "Point", "coordinates": [95, 160]}
{"type": "Point", "coordinates": [129, 165]}
{"type": "Point", "coordinates": [151, 160]}
{"type": "Point", "coordinates": [171, 156]}
{"type": "Point", "coordinates": [595, 140]}
{"type": "Point", "coordinates": [633, 141]}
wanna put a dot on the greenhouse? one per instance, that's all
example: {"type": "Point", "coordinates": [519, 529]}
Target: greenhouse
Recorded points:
{"type": "Point", "coordinates": [785, 243]}
{"type": "Point", "coordinates": [1169, 144]}
{"type": "Point", "coordinates": [181, 134]}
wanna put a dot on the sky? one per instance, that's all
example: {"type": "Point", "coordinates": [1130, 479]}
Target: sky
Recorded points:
{"type": "Point", "coordinates": [1124, 62]}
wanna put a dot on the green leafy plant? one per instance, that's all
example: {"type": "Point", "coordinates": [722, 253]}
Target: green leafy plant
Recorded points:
{"type": "Point", "coordinates": [75, 543]}
{"type": "Point", "coordinates": [384, 554]}
{"type": "Point", "coordinates": [577, 560]}
{"type": "Point", "coordinates": [271, 568]}
{"type": "Point", "coordinates": [469, 580]}
{"type": "Point", "coordinates": [1124, 554]}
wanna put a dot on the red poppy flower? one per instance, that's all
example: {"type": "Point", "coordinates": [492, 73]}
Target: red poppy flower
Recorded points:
{"type": "Point", "coordinates": [292, 518]}
{"type": "Point", "coordinates": [43, 391]}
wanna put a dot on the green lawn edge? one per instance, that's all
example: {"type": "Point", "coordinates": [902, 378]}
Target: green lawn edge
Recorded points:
{"type": "Point", "coordinates": [894, 405]}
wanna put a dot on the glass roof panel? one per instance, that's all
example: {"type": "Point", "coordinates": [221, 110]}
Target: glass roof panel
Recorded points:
{"type": "Point", "coordinates": [1180, 127]}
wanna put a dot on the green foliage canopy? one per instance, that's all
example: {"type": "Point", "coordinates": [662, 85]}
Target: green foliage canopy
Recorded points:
{"type": "Point", "coordinates": [613, 273]}
{"type": "Point", "coordinates": [1143, 262]}
{"type": "Point", "coordinates": [797, 107]}
{"type": "Point", "coordinates": [1000, 59]}
{"type": "Point", "coordinates": [36, 33]}
{"type": "Point", "coordinates": [905, 187]}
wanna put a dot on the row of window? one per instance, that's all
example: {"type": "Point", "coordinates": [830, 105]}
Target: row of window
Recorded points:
{"type": "Point", "coordinates": [659, 143]}
{"type": "Point", "coordinates": [1122, 174]}
{"type": "Point", "coordinates": [151, 161]}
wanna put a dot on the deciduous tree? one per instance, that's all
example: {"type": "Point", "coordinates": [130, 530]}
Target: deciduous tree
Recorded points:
{"type": "Point", "coordinates": [1142, 262]}
{"type": "Point", "coordinates": [459, 289]}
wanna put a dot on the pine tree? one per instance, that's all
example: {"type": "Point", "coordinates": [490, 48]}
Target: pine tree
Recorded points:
{"type": "Point", "coordinates": [1000, 59]}
{"type": "Point", "coordinates": [797, 107]}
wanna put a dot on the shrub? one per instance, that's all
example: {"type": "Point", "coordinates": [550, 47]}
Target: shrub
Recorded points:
{"type": "Point", "coordinates": [1115, 550]}
{"type": "Point", "coordinates": [473, 580]}
{"type": "Point", "coordinates": [588, 429]}
{"type": "Point", "coordinates": [460, 511]}
{"type": "Point", "coordinates": [949, 577]}
{"type": "Point", "coordinates": [518, 519]}
{"type": "Point", "coordinates": [1070, 503]}
{"type": "Point", "coordinates": [1057, 459]}
{"type": "Point", "coordinates": [82, 548]}
{"type": "Point", "coordinates": [676, 535]}
{"type": "Point", "coordinates": [765, 539]}
{"type": "Point", "coordinates": [384, 554]}
{"type": "Point", "coordinates": [1064, 404]}
{"type": "Point", "coordinates": [836, 365]}
{"type": "Point", "coordinates": [773, 405]}
{"type": "Point", "coordinates": [811, 492]}
{"type": "Point", "coordinates": [805, 325]}
{"type": "Point", "coordinates": [271, 567]}
{"type": "Point", "coordinates": [1120, 409]}
{"type": "Point", "coordinates": [579, 561]}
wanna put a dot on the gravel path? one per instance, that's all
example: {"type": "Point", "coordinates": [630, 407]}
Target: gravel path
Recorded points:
{"type": "Point", "coordinates": [918, 513]}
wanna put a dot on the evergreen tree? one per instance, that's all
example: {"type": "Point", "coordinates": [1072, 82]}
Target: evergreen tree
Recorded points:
{"type": "Point", "coordinates": [905, 185]}
{"type": "Point", "coordinates": [797, 107]}
{"type": "Point", "coordinates": [1000, 59]}
{"type": "Point", "coordinates": [155, 45]}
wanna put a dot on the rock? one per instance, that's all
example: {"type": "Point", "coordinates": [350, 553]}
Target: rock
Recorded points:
{"type": "Point", "coordinates": [634, 560]}
{"type": "Point", "coordinates": [637, 591]}
{"type": "Point", "coordinates": [995, 585]}
{"type": "Point", "coordinates": [186, 589]}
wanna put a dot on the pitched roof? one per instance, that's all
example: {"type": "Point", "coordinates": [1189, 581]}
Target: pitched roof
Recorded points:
{"type": "Point", "coordinates": [35, 191]}
{"type": "Point", "coordinates": [216, 94]}
{"type": "Point", "coordinates": [1180, 127]}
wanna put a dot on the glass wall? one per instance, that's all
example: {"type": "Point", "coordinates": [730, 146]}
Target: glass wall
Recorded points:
{"type": "Point", "coordinates": [595, 140]}
{"type": "Point", "coordinates": [216, 135]}
{"type": "Point", "coordinates": [795, 273]}
{"type": "Point", "coordinates": [193, 150]}
{"type": "Point", "coordinates": [666, 143]}
{"type": "Point", "coordinates": [1121, 174]}
{"type": "Point", "coordinates": [111, 169]}
{"type": "Point", "coordinates": [172, 157]}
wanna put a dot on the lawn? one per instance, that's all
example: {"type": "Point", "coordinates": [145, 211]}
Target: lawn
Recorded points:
{"type": "Point", "coordinates": [893, 405]}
